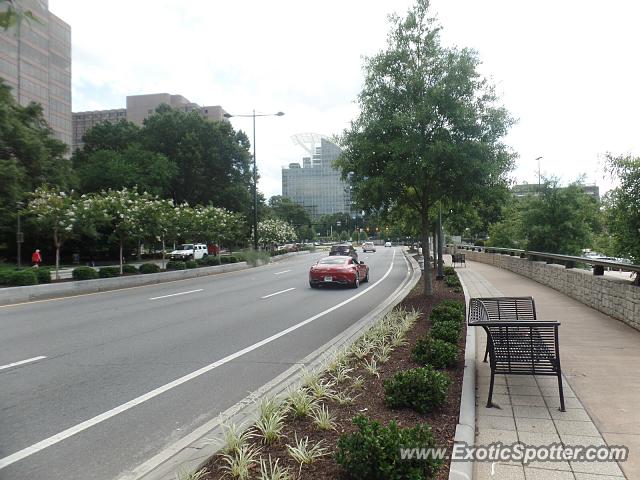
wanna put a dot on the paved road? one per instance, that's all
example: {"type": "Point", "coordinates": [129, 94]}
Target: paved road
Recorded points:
{"type": "Point", "coordinates": [127, 373]}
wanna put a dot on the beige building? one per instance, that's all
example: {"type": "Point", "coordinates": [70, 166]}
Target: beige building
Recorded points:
{"type": "Point", "coordinates": [138, 108]}
{"type": "Point", "coordinates": [83, 121]}
{"type": "Point", "coordinates": [35, 61]}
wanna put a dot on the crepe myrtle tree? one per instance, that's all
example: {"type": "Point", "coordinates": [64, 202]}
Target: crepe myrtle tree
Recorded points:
{"type": "Point", "coordinates": [275, 231]}
{"type": "Point", "coordinates": [429, 129]}
{"type": "Point", "coordinates": [57, 212]}
{"type": "Point", "coordinates": [124, 210]}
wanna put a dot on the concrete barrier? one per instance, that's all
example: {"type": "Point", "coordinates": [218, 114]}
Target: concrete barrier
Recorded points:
{"type": "Point", "coordinates": [615, 297]}
{"type": "Point", "coordinates": [31, 293]}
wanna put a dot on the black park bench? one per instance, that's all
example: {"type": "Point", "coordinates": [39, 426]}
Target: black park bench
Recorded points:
{"type": "Point", "coordinates": [458, 258]}
{"type": "Point", "coordinates": [517, 343]}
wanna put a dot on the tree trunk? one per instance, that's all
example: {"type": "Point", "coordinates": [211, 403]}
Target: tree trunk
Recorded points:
{"type": "Point", "coordinates": [121, 246]}
{"type": "Point", "coordinates": [424, 239]}
{"type": "Point", "coordinates": [57, 245]}
{"type": "Point", "coordinates": [163, 252]}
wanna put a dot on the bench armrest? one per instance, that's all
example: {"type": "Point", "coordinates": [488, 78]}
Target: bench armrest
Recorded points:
{"type": "Point", "coordinates": [515, 323]}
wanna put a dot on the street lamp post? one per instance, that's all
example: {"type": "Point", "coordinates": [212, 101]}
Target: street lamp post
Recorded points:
{"type": "Point", "coordinates": [255, 170]}
{"type": "Point", "coordinates": [538, 160]}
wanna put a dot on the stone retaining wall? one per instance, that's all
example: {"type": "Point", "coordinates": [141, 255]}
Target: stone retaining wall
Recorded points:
{"type": "Point", "coordinates": [615, 297]}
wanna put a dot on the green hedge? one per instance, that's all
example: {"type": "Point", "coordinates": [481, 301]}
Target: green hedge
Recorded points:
{"type": "Point", "coordinates": [373, 452]}
{"type": "Point", "coordinates": [435, 352]}
{"type": "Point", "coordinates": [128, 269]}
{"type": "Point", "coordinates": [84, 273]}
{"type": "Point", "coordinates": [452, 281]}
{"type": "Point", "coordinates": [149, 268]}
{"type": "Point", "coordinates": [447, 331]}
{"type": "Point", "coordinates": [422, 389]}
{"type": "Point", "coordinates": [109, 272]}
{"type": "Point", "coordinates": [176, 265]}
{"type": "Point", "coordinates": [4, 277]}
{"type": "Point", "coordinates": [449, 271]}
{"type": "Point", "coordinates": [43, 274]}
{"type": "Point", "coordinates": [447, 311]}
{"type": "Point", "coordinates": [23, 277]}
{"type": "Point", "coordinates": [191, 264]}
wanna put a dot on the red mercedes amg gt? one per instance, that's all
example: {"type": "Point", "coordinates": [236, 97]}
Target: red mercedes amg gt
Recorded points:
{"type": "Point", "coordinates": [338, 270]}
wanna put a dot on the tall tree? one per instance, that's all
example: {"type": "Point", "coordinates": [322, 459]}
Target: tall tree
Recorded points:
{"type": "Point", "coordinates": [213, 160]}
{"type": "Point", "coordinates": [30, 156]}
{"type": "Point", "coordinates": [624, 206]}
{"type": "Point", "coordinates": [132, 167]}
{"type": "Point", "coordinates": [430, 129]}
{"type": "Point", "coordinates": [286, 209]}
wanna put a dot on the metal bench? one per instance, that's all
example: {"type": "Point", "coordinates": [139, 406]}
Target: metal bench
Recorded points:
{"type": "Point", "coordinates": [518, 347]}
{"type": "Point", "coordinates": [458, 258]}
{"type": "Point", "coordinates": [502, 308]}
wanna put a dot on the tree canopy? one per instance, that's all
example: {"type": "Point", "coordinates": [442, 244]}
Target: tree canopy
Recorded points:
{"type": "Point", "coordinates": [175, 154]}
{"type": "Point", "coordinates": [430, 129]}
{"type": "Point", "coordinates": [554, 220]}
{"type": "Point", "coordinates": [623, 206]}
{"type": "Point", "coordinates": [29, 157]}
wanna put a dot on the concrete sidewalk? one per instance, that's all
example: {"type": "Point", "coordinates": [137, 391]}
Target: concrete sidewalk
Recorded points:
{"type": "Point", "coordinates": [600, 357]}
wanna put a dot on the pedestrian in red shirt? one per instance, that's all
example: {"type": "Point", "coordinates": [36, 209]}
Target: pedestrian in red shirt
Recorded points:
{"type": "Point", "coordinates": [36, 258]}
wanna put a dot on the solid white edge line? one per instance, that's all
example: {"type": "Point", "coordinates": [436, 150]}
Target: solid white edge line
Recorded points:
{"type": "Point", "coordinates": [176, 294]}
{"type": "Point", "coordinates": [280, 273]}
{"type": "Point", "coordinates": [278, 293]}
{"type": "Point", "coordinates": [22, 362]}
{"type": "Point", "coordinates": [69, 432]}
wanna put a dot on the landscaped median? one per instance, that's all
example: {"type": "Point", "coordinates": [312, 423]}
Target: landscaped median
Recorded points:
{"type": "Point", "coordinates": [92, 280]}
{"type": "Point", "coordinates": [397, 386]}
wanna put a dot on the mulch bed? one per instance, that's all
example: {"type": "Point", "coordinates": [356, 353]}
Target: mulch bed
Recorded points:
{"type": "Point", "coordinates": [371, 403]}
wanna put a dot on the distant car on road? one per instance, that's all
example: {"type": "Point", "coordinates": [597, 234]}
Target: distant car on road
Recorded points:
{"type": "Point", "coordinates": [368, 247]}
{"type": "Point", "coordinates": [189, 251]}
{"type": "Point", "coordinates": [344, 249]}
{"type": "Point", "coordinates": [338, 270]}
{"type": "Point", "coordinates": [387, 244]}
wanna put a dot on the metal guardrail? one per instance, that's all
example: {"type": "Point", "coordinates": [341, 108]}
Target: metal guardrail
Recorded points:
{"type": "Point", "coordinates": [569, 261]}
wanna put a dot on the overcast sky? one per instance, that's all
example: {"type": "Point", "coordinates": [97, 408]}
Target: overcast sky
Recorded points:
{"type": "Point", "coordinates": [568, 70]}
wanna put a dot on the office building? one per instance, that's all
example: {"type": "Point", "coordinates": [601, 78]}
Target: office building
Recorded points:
{"type": "Point", "coordinates": [138, 108]}
{"type": "Point", "coordinates": [315, 184]}
{"type": "Point", "coordinates": [35, 61]}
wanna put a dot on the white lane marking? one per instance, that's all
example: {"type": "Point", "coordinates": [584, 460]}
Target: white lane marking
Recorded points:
{"type": "Point", "coordinates": [280, 273]}
{"type": "Point", "coordinates": [176, 294]}
{"type": "Point", "coordinates": [69, 432]}
{"type": "Point", "coordinates": [22, 362]}
{"type": "Point", "coordinates": [278, 293]}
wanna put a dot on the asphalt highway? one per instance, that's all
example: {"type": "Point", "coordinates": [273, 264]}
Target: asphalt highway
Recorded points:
{"type": "Point", "coordinates": [94, 385]}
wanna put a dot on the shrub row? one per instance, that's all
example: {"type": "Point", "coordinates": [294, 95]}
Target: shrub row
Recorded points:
{"type": "Point", "coordinates": [88, 273]}
{"type": "Point", "coordinates": [28, 276]}
{"type": "Point", "coordinates": [372, 452]}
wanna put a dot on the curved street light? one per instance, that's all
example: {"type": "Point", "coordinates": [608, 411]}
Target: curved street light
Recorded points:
{"type": "Point", "coordinates": [255, 171]}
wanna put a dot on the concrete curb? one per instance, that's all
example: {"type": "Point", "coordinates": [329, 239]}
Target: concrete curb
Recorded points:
{"type": "Point", "coordinates": [466, 428]}
{"type": "Point", "coordinates": [193, 451]}
{"type": "Point", "coordinates": [13, 295]}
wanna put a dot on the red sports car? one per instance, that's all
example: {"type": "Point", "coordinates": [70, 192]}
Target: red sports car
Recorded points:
{"type": "Point", "coordinates": [338, 270]}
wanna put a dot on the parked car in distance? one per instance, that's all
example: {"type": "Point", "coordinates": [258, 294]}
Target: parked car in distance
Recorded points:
{"type": "Point", "coordinates": [290, 247]}
{"type": "Point", "coordinates": [368, 247]}
{"type": "Point", "coordinates": [338, 270]}
{"type": "Point", "coordinates": [344, 249]}
{"type": "Point", "coordinates": [189, 251]}
{"type": "Point", "coordinates": [387, 244]}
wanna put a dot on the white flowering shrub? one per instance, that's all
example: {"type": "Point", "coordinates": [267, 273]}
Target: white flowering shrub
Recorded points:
{"type": "Point", "coordinates": [275, 231]}
{"type": "Point", "coordinates": [57, 212]}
